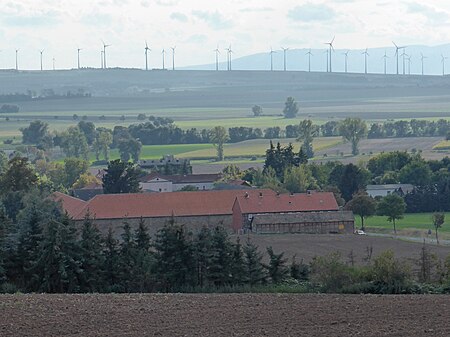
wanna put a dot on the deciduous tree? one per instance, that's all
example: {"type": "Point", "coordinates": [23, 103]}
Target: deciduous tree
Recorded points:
{"type": "Point", "coordinates": [353, 130]}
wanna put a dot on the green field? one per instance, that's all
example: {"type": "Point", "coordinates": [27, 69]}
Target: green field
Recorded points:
{"type": "Point", "coordinates": [416, 221]}
{"type": "Point", "coordinates": [444, 145]}
{"type": "Point", "coordinates": [258, 147]}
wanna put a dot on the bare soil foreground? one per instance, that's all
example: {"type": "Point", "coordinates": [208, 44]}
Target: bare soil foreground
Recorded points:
{"type": "Point", "coordinates": [224, 315]}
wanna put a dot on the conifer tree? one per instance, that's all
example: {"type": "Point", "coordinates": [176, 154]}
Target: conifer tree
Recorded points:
{"type": "Point", "coordinates": [58, 268]}
{"type": "Point", "coordinates": [143, 260]}
{"type": "Point", "coordinates": [276, 268]}
{"type": "Point", "coordinates": [221, 255]}
{"type": "Point", "coordinates": [111, 262]}
{"type": "Point", "coordinates": [254, 268]}
{"type": "Point", "coordinates": [91, 257]}
{"type": "Point", "coordinates": [4, 230]}
{"type": "Point", "coordinates": [174, 257]}
{"type": "Point", "coordinates": [127, 257]}
{"type": "Point", "coordinates": [238, 267]}
{"type": "Point", "coordinates": [202, 255]}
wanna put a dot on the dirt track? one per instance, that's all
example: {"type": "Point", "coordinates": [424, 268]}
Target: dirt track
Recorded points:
{"type": "Point", "coordinates": [224, 315]}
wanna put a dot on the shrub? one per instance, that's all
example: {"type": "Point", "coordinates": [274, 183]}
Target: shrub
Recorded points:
{"type": "Point", "coordinates": [390, 275]}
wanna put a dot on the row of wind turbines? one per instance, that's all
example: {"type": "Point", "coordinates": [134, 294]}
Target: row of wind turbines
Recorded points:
{"type": "Point", "coordinates": [400, 52]}
{"type": "Point", "coordinates": [406, 59]}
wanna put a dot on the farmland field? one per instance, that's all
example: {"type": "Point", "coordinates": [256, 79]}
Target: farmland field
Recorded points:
{"type": "Point", "coordinates": [443, 145]}
{"type": "Point", "coordinates": [224, 315]}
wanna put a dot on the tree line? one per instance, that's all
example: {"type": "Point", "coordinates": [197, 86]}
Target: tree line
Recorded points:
{"type": "Point", "coordinates": [43, 251]}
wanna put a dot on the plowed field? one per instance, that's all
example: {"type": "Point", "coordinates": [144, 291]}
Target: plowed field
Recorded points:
{"type": "Point", "coordinates": [224, 315]}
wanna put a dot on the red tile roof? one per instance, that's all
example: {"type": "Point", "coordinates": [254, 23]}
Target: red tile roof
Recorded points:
{"type": "Point", "coordinates": [148, 205]}
{"type": "Point", "coordinates": [70, 204]}
{"type": "Point", "coordinates": [302, 202]}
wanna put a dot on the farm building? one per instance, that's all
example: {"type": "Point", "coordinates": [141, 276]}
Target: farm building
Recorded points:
{"type": "Point", "coordinates": [384, 190]}
{"type": "Point", "coordinates": [166, 160]}
{"type": "Point", "coordinates": [312, 212]}
{"type": "Point", "coordinates": [193, 209]}
{"type": "Point", "coordinates": [156, 182]}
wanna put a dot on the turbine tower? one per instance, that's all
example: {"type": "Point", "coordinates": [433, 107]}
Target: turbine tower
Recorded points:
{"type": "Point", "coordinates": [385, 57]}
{"type": "Point", "coordinates": [271, 58]}
{"type": "Point", "coordinates": [422, 58]}
{"type": "Point", "coordinates": [230, 52]}
{"type": "Point", "coordinates": [397, 49]}
{"type": "Point", "coordinates": [54, 68]}
{"type": "Point", "coordinates": [443, 64]}
{"type": "Point", "coordinates": [408, 59]}
{"type": "Point", "coordinates": [346, 59]}
{"type": "Point", "coordinates": [101, 59]}
{"type": "Point", "coordinates": [104, 53]}
{"type": "Point", "coordinates": [163, 53]}
{"type": "Point", "coordinates": [284, 56]}
{"type": "Point", "coordinates": [328, 64]}
{"type": "Point", "coordinates": [217, 52]}
{"type": "Point", "coordinates": [41, 52]}
{"type": "Point", "coordinates": [228, 58]}
{"type": "Point", "coordinates": [309, 59]}
{"type": "Point", "coordinates": [403, 55]}
{"type": "Point", "coordinates": [173, 57]}
{"type": "Point", "coordinates": [331, 49]}
{"type": "Point", "coordinates": [17, 59]}
{"type": "Point", "coordinates": [147, 49]}
{"type": "Point", "coordinates": [366, 54]}
{"type": "Point", "coordinates": [78, 56]}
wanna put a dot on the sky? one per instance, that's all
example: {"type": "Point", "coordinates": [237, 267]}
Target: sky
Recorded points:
{"type": "Point", "coordinates": [197, 27]}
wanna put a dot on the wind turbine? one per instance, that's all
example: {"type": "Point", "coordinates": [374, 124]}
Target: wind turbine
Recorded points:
{"type": "Point", "coordinates": [228, 58]}
{"type": "Point", "coordinates": [331, 49]}
{"type": "Point", "coordinates": [217, 52]}
{"type": "Point", "coordinates": [104, 53]}
{"type": "Point", "coordinates": [404, 59]}
{"type": "Point", "coordinates": [366, 54]}
{"type": "Point", "coordinates": [17, 63]}
{"type": "Point", "coordinates": [54, 64]}
{"type": "Point", "coordinates": [163, 53]}
{"type": "Point", "coordinates": [397, 48]}
{"type": "Point", "coordinates": [173, 57]}
{"type": "Point", "coordinates": [230, 52]}
{"type": "Point", "coordinates": [78, 54]}
{"type": "Point", "coordinates": [443, 64]}
{"type": "Point", "coordinates": [346, 59]}
{"type": "Point", "coordinates": [409, 64]}
{"type": "Point", "coordinates": [101, 58]}
{"type": "Point", "coordinates": [328, 64]}
{"type": "Point", "coordinates": [385, 57]}
{"type": "Point", "coordinates": [271, 58]}
{"type": "Point", "coordinates": [41, 52]}
{"type": "Point", "coordinates": [422, 58]}
{"type": "Point", "coordinates": [147, 49]}
{"type": "Point", "coordinates": [284, 56]}
{"type": "Point", "coordinates": [309, 59]}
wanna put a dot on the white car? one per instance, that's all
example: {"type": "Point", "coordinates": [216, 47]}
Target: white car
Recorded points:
{"type": "Point", "coordinates": [360, 232]}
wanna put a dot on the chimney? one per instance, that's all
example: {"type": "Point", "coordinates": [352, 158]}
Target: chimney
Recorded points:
{"type": "Point", "coordinates": [260, 194]}
{"type": "Point", "coordinates": [246, 196]}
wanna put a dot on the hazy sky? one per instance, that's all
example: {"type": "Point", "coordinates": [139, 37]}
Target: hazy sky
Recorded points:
{"type": "Point", "coordinates": [197, 26]}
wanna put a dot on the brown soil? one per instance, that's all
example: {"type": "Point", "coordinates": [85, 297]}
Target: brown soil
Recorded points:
{"type": "Point", "coordinates": [224, 315]}
{"type": "Point", "coordinates": [308, 246]}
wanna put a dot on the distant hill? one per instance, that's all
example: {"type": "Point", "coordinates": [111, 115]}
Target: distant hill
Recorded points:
{"type": "Point", "coordinates": [298, 60]}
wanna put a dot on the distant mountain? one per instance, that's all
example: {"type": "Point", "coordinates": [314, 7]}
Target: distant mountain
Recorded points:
{"type": "Point", "coordinates": [298, 60]}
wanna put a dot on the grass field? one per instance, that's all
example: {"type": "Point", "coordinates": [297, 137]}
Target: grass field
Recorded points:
{"type": "Point", "coordinates": [444, 145]}
{"type": "Point", "coordinates": [417, 221]}
{"type": "Point", "coordinates": [258, 147]}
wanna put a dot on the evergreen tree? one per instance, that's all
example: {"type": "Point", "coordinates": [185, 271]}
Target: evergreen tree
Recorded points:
{"type": "Point", "coordinates": [91, 257]}
{"type": "Point", "coordinates": [127, 256]}
{"type": "Point", "coordinates": [121, 177]}
{"type": "Point", "coordinates": [238, 266]}
{"type": "Point", "coordinates": [220, 258]}
{"type": "Point", "coordinates": [143, 259]}
{"type": "Point", "coordinates": [174, 257]}
{"type": "Point", "coordinates": [254, 268]}
{"type": "Point", "coordinates": [4, 230]}
{"type": "Point", "coordinates": [111, 262]}
{"type": "Point", "coordinates": [202, 255]}
{"type": "Point", "coordinates": [276, 268]}
{"type": "Point", "coordinates": [57, 269]}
